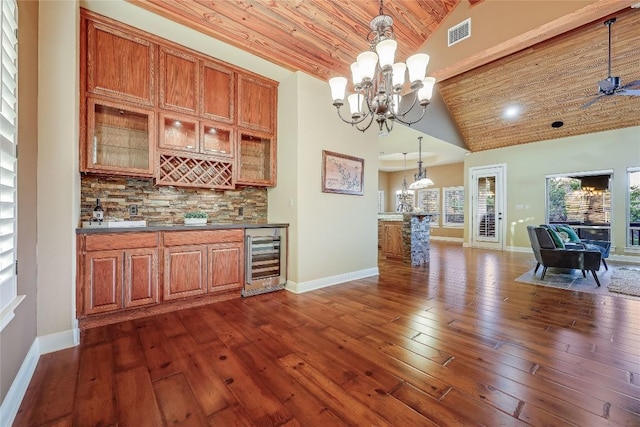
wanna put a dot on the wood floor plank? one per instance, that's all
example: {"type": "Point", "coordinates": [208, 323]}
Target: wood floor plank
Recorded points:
{"type": "Point", "coordinates": [333, 395]}
{"type": "Point", "coordinates": [177, 402]}
{"type": "Point", "coordinates": [304, 406]}
{"type": "Point", "coordinates": [135, 398]}
{"type": "Point", "coordinates": [94, 400]}
{"type": "Point", "coordinates": [456, 342]}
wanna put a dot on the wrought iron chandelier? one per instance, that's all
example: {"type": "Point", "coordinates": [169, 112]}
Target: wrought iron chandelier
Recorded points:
{"type": "Point", "coordinates": [378, 82]}
{"type": "Point", "coordinates": [421, 178]}
{"type": "Point", "coordinates": [405, 204]}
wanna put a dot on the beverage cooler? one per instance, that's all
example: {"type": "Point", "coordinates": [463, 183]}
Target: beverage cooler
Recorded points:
{"type": "Point", "coordinates": [265, 259]}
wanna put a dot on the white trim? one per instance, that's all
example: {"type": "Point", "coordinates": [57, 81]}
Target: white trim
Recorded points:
{"type": "Point", "coordinates": [298, 288]}
{"type": "Point", "coordinates": [8, 312]}
{"type": "Point", "coordinates": [59, 341]}
{"type": "Point", "coordinates": [583, 173]}
{"type": "Point", "coordinates": [446, 239]}
{"type": "Point", "coordinates": [467, 245]}
{"type": "Point", "coordinates": [13, 398]}
{"type": "Point", "coordinates": [625, 258]}
{"type": "Point", "coordinates": [523, 249]}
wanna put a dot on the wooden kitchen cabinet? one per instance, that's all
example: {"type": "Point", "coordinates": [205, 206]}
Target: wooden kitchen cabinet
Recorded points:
{"type": "Point", "coordinates": [217, 95]}
{"type": "Point", "coordinates": [103, 282]}
{"type": "Point", "coordinates": [392, 243]}
{"type": "Point", "coordinates": [119, 63]}
{"type": "Point", "coordinates": [179, 81]}
{"type": "Point", "coordinates": [186, 134]}
{"type": "Point", "coordinates": [120, 271]}
{"type": "Point", "coordinates": [119, 139]}
{"type": "Point", "coordinates": [179, 132]}
{"type": "Point", "coordinates": [140, 277]}
{"type": "Point", "coordinates": [185, 271]}
{"type": "Point", "coordinates": [257, 103]}
{"type": "Point", "coordinates": [256, 159]}
{"type": "Point", "coordinates": [226, 267]}
{"type": "Point", "coordinates": [206, 261]}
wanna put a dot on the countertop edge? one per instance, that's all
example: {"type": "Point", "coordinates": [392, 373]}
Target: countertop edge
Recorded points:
{"type": "Point", "coordinates": [156, 228]}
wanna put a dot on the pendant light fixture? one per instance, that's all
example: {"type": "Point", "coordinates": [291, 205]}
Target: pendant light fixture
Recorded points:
{"type": "Point", "coordinates": [378, 82]}
{"type": "Point", "coordinates": [421, 179]}
{"type": "Point", "coordinates": [404, 205]}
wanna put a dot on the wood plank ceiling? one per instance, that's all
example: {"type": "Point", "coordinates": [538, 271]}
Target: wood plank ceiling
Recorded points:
{"type": "Point", "coordinates": [549, 81]}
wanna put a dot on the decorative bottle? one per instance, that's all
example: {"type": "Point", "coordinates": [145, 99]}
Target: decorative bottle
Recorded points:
{"type": "Point", "coordinates": [98, 212]}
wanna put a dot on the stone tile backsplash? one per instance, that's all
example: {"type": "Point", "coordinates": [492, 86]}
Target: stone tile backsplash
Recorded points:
{"type": "Point", "coordinates": [166, 205]}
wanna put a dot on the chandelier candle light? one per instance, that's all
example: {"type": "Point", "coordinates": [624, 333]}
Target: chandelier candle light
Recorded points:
{"type": "Point", "coordinates": [378, 82]}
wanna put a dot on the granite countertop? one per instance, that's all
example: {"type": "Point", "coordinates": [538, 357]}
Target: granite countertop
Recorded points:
{"type": "Point", "coordinates": [175, 227]}
{"type": "Point", "coordinates": [399, 216]}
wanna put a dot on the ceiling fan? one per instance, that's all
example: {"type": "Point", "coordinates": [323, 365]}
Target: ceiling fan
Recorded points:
{"type": "Point", "coordinates": [612, 85]}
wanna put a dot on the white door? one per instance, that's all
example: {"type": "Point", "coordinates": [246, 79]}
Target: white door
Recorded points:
{"type": "Point", "coordinates": [488, 221]}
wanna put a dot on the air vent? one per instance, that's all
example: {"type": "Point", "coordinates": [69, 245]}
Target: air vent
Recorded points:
{"type": "Point", "coordinates": [459, 32]}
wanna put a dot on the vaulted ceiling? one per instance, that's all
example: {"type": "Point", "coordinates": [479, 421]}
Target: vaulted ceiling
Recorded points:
{"type": "Point", "coordinates": [549, 72]}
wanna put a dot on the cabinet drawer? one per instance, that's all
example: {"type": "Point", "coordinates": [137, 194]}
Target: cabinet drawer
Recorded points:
{"type": "Point", "coordinates": [101, 242]}
{"type": "Point", "coordinates": [178, 238]}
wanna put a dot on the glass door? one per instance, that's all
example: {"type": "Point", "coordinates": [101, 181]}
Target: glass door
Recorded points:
{"type": "Point", "coordinates": [487, 206]}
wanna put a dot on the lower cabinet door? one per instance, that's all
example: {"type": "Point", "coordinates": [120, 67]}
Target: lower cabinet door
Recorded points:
{"type": "Point", "coordinates": [185, 270]}
{"type": "Point", "coordinates": [103, 282]}
{"type": "Point", "coordinates": [226, 267]}
{"type": "Point", "coordinates": [140, 277]}
{"type": "Point", "coordinates": [392, 245]}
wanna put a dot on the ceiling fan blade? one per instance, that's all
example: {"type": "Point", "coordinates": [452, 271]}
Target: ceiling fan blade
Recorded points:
{"type": "Point", "coordinates": [593, 101]}
{"type": "Point", "coordinates": [629, 92]}
{"type": "Point", "coordinates": [631, 84]}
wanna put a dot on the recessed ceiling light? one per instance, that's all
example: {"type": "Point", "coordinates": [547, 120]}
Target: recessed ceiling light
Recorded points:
{"type": "Point", "coordinates": [511, 112]}
{"type": "Point", "coordinates": [557, 124]}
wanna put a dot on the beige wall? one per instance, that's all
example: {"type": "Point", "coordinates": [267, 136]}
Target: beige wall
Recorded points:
{"type": "Point", "coordinates": [529, 164]}
{"type": "Point", "coordinates": [58, 170]}
{"type": "Point", "coordinates": [20, 333]}
{"type": "Point", "coordinates": [331, 234]}
{"type": "Point", "coordinates": [492, 22]}
{"type": "Point", "coordinates": [451, 175]}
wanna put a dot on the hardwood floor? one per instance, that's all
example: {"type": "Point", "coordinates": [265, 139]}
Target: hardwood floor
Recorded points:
{"type": "Point", "coordinates": [457, 343]}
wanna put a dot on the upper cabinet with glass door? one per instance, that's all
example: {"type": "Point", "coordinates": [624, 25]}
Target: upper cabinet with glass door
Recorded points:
{"type": "Point", "coordinates": [118, 139]}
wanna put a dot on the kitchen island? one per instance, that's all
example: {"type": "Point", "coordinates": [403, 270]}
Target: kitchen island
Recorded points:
{"type": "Point", "coordinates": [405, 236]}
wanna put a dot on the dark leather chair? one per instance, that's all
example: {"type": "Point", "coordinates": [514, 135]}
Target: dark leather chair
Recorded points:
{"type": "Point", "coordinates": [603, 246]}
{"type": "Point", "coordinates": [548, 255]}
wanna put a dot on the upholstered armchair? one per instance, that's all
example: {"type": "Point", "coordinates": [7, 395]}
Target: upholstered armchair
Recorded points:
{"type": "Point", "coordinates": [549, 255]}
{"type": "Point", "coordinates": [573, 240]}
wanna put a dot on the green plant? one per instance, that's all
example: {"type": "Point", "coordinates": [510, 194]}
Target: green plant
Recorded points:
{"type": "Point", "coordinates": [199, 214]}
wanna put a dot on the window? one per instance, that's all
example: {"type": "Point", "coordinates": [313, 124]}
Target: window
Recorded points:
{"type": "Point", "coordinates": [633, 199]}
{"type": "Point", "coordinates": [453, 207]}
{"type": "Point", "coordinates": [429, 202]}
{"type": "Point", "coordinates": [380, 201]}
{"type": "Point", "coordinates": [8, 161]}
{"type": "Point", "coordinates": [582, 201]}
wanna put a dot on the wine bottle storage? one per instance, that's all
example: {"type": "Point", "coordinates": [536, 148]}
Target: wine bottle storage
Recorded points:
{"type": "Point", "coordinates": [194, 172]}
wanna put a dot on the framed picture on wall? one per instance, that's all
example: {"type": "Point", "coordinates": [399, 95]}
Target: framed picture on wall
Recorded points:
{"type": "Point", "coordinates": [342, 174]}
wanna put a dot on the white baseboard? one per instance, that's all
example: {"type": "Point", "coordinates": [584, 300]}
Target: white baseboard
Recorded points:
{"type": "Point", "coordinates": [446, 239]}
{"type": "Point", "coordinates": [59, 341]}
{"type": "Point", "coordinates": [624, 258]}
{"type": "Point", "coordinates": [41, 345]}
{"type": "Point", "coordinates": [13, 399]}
{"type": "Point", "coordinates": [524, 249]}
{"type": "Point", "coordinates": [298, 288]}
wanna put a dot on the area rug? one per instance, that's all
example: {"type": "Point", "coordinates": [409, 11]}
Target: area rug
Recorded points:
{"type": "Point", "coordinates": [572, 280]}
{"type": "Point", "coordinates": [625, 281]}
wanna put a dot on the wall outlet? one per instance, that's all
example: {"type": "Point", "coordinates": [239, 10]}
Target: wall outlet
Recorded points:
{"type": "Point", "coordinates": [133, 210]}
{"type": "Point", "coordinates": [240, 211]}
